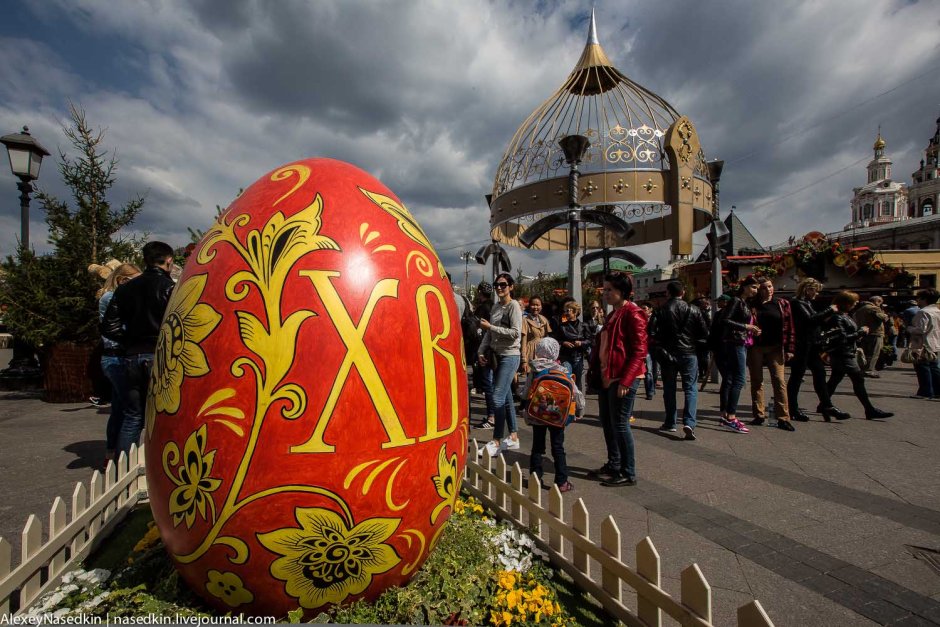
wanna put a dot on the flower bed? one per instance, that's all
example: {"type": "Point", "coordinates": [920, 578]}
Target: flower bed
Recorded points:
{"type": "Point", "coordinates": [482, 572]}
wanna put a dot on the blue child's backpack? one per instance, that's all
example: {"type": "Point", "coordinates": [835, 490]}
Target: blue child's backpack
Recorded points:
{"type": "Point", "coordinates": [551, 398]}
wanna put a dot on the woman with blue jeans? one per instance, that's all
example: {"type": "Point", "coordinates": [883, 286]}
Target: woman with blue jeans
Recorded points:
{"type": "Point", "coordinates": [502, 344]}
{"type": "Point", "coordinates": [617, 365]}
{"type": "Point", "coordinates": [112, 359]}
{"type": "Point", "coordinates": [731, 353]}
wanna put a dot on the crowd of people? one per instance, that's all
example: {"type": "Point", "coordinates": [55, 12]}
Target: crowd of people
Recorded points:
{"type": "Point", "coordinates": [626, 344]}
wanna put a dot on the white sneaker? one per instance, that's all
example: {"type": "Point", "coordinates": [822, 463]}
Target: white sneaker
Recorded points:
{"type": "Point", "coordinates": [492, 448]}
{"type": "Point", "coordinates": [509, 444]}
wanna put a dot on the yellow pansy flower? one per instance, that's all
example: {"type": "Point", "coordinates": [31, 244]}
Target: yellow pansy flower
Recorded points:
{"type": "Point", "coordinates": [229, 588]}
{"type": "Point", "coordinates": [323, 561]}
{"type": "Point", "coordinates": [178, 354]}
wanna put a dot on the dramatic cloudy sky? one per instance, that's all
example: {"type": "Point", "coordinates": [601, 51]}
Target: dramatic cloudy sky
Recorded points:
{"type": "Point", "coordinates": [200, 98]}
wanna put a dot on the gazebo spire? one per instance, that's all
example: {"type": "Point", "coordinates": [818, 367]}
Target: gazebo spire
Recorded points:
{"type": "Point", "coordinates": [592, 33]}
{"type": "Point", "coordinates": [594, 73]}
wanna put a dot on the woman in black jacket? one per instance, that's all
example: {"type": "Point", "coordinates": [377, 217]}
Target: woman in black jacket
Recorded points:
{"type": "Point", "coordinates": [841, 349]}
{"type": "Point", "coordinates": [575, 338]}
{"type": "Point", "coordinates": [806, 322]}
{"type": "Point", "coordinates": [732, 328]}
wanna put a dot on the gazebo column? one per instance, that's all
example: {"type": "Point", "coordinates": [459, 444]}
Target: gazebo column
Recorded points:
{"type": "Point", "coordinates": [683, 149]}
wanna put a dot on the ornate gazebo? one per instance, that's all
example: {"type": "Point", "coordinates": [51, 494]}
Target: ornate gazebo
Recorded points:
{"type": "Point", "coordinates": [645, 165]}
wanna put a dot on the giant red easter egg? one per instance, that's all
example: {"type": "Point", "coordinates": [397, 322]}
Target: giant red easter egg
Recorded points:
{"type": "Point", "coordinates": [307, 417]}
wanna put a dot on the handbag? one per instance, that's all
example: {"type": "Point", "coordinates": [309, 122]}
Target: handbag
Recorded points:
{"type": "Point", "coordinates": [909, 355]}
{"type": "Point", "coordinates": [918, 356]}
{"type": "Point", "coordinates": [926, 356]}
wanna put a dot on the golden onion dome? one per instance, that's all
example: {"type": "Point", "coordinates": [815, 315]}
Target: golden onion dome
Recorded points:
{"type": "Point", "coordinates": [880, 142]}
{"type": "Point", "coordinates": [643, 156]}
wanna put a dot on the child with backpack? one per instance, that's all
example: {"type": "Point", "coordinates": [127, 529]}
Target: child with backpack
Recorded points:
{"type": "Point", "coordinates": [554, 399]}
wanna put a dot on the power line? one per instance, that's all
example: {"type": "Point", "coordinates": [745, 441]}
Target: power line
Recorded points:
{"type": "Point", "coordinates": [805, 187]}
{"type": "Point", "coordinates": [465, 244]}
{"type": "Point", "coordinates": [833, 117]}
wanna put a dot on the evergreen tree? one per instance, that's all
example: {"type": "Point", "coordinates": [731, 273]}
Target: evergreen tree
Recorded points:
{"type": "Point", "coordinates": [51, 298]}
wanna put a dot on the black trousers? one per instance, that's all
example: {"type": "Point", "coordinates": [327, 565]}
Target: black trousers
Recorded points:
{"type": "Point", "coordinates": [805, 357]}
{"type": "Point", "coordinates": [847, 366]}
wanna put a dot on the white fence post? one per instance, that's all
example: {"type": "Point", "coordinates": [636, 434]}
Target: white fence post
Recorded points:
{"type": "Point", "coordinates": [473, 480]}
{"type": "Point", "coordinates": [79, 505]}
{"type": "Point", "coordinates": [535, 497]}
{"type": "Point", "coordinates": [556, 509]}
{"type": "Point", "coordinates": [57, 522]}
{"type": "Point", "coordinates": [648, 567]}
{"type": "Point", "coordinates": [32, 542]}
{"type": "Point", "coordinates": [610, 542]}
{"type": "Point", "coordinates": [580, 522]}
{"type": "Point", "coordinates": [6, 561]}
{"type": "Point", "coordinates": [110, 478]}
{"type": "Point", "coordinates": [94, 494]}
{"type": "Point", "coordinates": [517, 488]}
{"type": "Point", "coordinates": [501, 475]}
{"type": "Point", "coordinates": [121, 473]}
{"type": "Point", "coordinates": [141, 485]}
{"type": "Point", "coordinates": [753, 615]}
{"type": "Point", "coordinates": [696, 593]}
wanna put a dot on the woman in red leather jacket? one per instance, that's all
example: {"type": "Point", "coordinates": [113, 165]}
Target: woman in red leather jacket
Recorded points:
{"type": "Point", "coordinates": [617, 367]}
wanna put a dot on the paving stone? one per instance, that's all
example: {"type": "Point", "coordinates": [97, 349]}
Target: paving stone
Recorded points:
{"type": "Point", "coordinates": [755, 550]}
{"type": "Point", "coordinates": [853, 575]}
{"type": "Point", "coordinates": [912, 620]}
{"type": "Point", "coordinates": [824, 584]}
{"type": "Point", "coordinates": [916, 603]}
{"type": "Point", "coordinates": [798, 572]}
{"type": "Point", "coordinates": [883, 612]}
{"type": "Point", "coordinates": [911, 573]}
{"type": "Point", "coordinates": [852, 598]}
{"type": "Point", "coordinates": [802, 553]}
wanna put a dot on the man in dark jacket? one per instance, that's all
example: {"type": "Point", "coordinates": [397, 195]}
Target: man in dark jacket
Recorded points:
{"type": "Point", "coordinates": [133, 319]}
{"type": "Point", "coordinates": [678, 329]}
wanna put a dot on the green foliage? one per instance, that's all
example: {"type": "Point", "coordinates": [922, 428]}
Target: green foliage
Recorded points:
{"type": "Point", "coordinates": [47, 300]}
{"type": "Point", "coordinates": [463, 582]}
{"type": "Point", "coordinates": [52, 298]}
{"type": "Point", "coordinates": [456, 581]}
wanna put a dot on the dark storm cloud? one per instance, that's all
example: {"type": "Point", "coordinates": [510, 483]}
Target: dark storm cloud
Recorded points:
{"type": "Point", "coordinates": [426, 96]}
{"type": "Point", "coordinates": [788, 92]}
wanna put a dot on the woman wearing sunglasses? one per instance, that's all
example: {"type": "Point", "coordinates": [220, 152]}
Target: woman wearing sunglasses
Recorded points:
{"type": "Point", "coordinates": [500, 350]}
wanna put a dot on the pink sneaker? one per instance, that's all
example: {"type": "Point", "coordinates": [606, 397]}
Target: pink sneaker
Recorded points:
{"type": "Point", "coordinates": [735, 425]}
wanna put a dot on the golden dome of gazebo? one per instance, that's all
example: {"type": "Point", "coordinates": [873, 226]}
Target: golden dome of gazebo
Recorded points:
{"type": "Point", "coordinates": [645, 163]}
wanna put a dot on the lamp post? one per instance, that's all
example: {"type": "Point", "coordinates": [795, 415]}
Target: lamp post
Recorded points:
{"type": "Point", "coordinates": [466, 256]}
{"type": "Point", "coordinates": [574, 147]}
{"type": "Point", "coordinates": [25, 155]}
{"type": "Point", "coordinates": [25, 160]}
{"type": "Point", "coordinates": [715, 234]}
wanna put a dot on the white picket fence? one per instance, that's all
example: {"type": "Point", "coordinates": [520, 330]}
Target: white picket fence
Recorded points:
{"type": "Point", "coordinates": [110, 497]}
{"type": "Point", "coordinates": [95, 511]}
{"type": "Point", "coordinates": [570, 548]}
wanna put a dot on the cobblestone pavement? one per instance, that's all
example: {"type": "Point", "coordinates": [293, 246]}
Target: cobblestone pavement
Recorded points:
{"type": "Point", "coordinates": [835, 524]}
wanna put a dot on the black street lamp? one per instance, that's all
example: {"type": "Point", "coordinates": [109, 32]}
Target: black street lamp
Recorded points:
{"type": "Point", "coordinates": [25, 160]}
{"type": "Point", "coordinates": [574, 147]}
{"type": "Point", "coordinates": [25, 155]}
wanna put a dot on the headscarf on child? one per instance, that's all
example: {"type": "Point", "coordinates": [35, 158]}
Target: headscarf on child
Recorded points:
{"type": "Point", "coordinates": [547, 348]}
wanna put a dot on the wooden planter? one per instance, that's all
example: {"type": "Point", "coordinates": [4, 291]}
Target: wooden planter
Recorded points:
{"type": "Point", "coordinates": [67, 374]}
